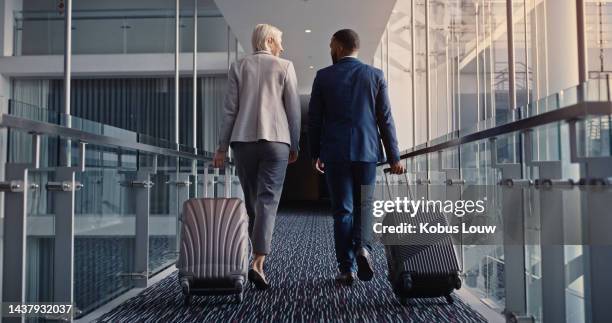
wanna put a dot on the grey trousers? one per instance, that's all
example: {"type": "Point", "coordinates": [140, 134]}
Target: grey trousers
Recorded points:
{"type": "Point", "coordinates": [261, 167]}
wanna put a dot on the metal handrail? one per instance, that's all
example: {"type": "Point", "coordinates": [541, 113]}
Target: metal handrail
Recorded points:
{"type": "Point", "coordinates": [574, 112]}
{"type": "Point", "coordinates": [95, 14]}
{"type": "Point", "coordinates": [44, 128]}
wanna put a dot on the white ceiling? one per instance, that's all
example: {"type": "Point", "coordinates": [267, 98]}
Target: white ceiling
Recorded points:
{"type": "Point", "coordinates": [323, 17]}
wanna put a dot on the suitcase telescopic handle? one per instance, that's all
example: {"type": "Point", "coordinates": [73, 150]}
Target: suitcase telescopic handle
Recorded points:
{"type": "Point", "coordinates": [387, 171]}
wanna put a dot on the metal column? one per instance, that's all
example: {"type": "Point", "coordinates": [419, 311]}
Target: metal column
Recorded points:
{"type": "Point", "coordinates": [511, 60]}
{"type": "Point", "coordinates": [427, 74]}
{"type": "Point", "coordinates": [582, 43]}
{"type": "Point", "coordinates": [176, 72]}
{"type": "Point", "coordinates": [194, 111]}
{"type": "Point", "coordinates": [67, 79]}
{"type": "Point", "coordinates": [448, 87]}
{"type": "Point", "coordinates": [525, 21]}
{"type": "Point", "coordinates": [477, 57]}
{"type": "Point", "coordinates": [413, 68]}
{"type": "Point", "coordinates": [491, 61]}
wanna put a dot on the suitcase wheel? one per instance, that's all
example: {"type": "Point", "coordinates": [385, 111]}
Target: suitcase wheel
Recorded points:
{"type": "Point", "coordinates": [405, 282]}
{"type": "Point", "coordinates": [457, 282]}
{"type": "Point", "coordinates": [238, 298]}
{"type": "Point", "coordinates": [449, 299]}
{"type": "Point", "coordinates": [404, 301]}
{"type": "Point", "coordinates": [185, 286]}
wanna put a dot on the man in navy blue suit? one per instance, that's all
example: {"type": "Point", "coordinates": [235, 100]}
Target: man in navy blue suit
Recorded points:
{"type": "Point", "coordinates": [349, 115]}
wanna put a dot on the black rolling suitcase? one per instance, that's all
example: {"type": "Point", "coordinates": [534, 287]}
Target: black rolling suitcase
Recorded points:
{"type": "Point", "coordinates": [421, 266]}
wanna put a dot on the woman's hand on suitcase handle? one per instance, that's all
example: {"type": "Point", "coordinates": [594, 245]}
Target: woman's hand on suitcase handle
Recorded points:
{"type": "Point", "coordinates": [293, 156]}
{"type": "Point", "coordinates": [219, 159]}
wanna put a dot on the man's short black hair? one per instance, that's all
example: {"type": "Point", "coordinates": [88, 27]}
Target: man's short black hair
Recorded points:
{"type": "Point", "coordinates": [348, 38]}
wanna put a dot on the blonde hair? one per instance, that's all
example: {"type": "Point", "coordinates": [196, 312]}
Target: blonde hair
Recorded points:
{"type": "Point", "coordinates": [261, 33]}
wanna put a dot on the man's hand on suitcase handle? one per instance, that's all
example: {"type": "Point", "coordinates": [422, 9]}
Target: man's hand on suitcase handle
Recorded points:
{"type": "Point", "coordinates": [396, 168]}
{"type": "Point", "coordinates": [318, 165]}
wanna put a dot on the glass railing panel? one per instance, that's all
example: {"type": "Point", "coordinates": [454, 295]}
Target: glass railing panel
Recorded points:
{"type": "Point", "coordinates": [210, 22]}
{"type": "Point", "coordinates": [164, 211]}
{"type": "Point", "coordinates": [39, 33]}
{"type": "Point", "coordinates": [450, 158]}
{"type": "Point", "coordinates": [554, 225]}
{"type": "Point", "coordinates": [117, 31]}
{"type": "Point", "coordinates": [482, 255]}
{"type": "Point", "coordinates": [507, 148]}
{"type": "Point", "coordinates": [598, 90]}
{"type": "Point", "coordinates": [104, 236]}
{"type": "Point", "coordinates": [40, 237]}
{"type": "Point", "coordinates": [594, 135]}
{"type": "Point", "coordinates": [36, 113]}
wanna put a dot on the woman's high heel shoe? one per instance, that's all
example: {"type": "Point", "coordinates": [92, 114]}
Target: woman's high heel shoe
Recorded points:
{"type": "Point", "coordinates": [259, 282]}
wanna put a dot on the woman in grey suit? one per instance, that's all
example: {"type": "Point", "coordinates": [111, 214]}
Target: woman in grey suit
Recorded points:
{"type": "Point", "coordinates": [262, 125]}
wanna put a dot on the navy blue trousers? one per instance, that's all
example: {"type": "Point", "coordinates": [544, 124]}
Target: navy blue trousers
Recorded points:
{"type": "Point", "coordinates": [351, 189]}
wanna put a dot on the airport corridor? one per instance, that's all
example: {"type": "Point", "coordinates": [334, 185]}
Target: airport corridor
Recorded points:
{"type": "Point", "coordinates": [301, 270]}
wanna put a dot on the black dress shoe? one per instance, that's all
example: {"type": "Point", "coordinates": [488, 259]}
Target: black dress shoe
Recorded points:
{"type": "Point", "coordinates": [365, 269]}
{"type": "Point", "coordinates": [346, 279]}
{"type": "Point", "coordinates": [257, 280]}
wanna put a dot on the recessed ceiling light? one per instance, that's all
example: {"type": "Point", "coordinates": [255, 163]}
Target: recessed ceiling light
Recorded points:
{"type": "Point", "coordinates": [308, 31]}
{"type": "Point", "coordinates": [311, 67]}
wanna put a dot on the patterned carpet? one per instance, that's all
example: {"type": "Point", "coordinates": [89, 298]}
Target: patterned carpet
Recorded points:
{"type": "Point", "coordinates": [301, 268]}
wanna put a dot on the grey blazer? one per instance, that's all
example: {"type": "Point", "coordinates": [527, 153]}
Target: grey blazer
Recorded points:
{"type": "Point", "coordinates": [262, 102]}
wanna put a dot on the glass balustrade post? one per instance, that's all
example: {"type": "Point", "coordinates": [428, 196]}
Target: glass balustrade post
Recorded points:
{"type": "Point", "coordinates": [179, 193]}
{"type": "Point", "coordinates": [551, 213]}
{"type": "Point", "coordinates": [15, 189]}
{"type": "Point", "coordinates": [513, 232]}
{"type": "Point", "coordinates": [227, 176]}
{"type": "Point", "coordinates": [595, 195]}
{"type": "Point", "coordinates": [142, 194]}
{"type": "Point", "coordinates": [214, 182]}
{"type": "Point", "coordinates": [63, 188]}
{"type": "Point", "coordinates": [205, 180]}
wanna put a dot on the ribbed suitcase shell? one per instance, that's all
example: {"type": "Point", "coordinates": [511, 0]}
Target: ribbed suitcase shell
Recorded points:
{"type": "Point", "coordinates": [422, 265]}
{"type": "Point", "coordinates": [214, 245]}
{"type": "Point", "coordinates": [425, 254]}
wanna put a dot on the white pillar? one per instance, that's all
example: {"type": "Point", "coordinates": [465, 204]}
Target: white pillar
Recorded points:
{"type": "Point", "coordinates": [562, 44]}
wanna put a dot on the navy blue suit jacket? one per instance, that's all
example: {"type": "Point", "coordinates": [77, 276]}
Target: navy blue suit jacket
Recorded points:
{"type": "Point", "coordinates": [349, 114]}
